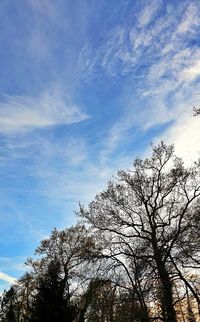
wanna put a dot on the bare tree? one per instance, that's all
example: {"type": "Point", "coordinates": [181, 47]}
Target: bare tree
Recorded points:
{"type": "Point", "coordinates": [196, 110]}
{"type": "Point", "coordinates": [152, 205]}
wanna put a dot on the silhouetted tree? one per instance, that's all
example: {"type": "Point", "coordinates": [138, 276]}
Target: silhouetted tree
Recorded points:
{"type": "Point", "coordinates": [154, 205]}
{"type": "Point", "coordinates": [64, 268]}
{"type": "Point", "coordinates": [137, 261]}
{"type": "Point", "coordinates": [8, 306]}
{"type": "Point", "coordinates": [196, 110]}
{"type": "Point", "coordinates": [49, 304]}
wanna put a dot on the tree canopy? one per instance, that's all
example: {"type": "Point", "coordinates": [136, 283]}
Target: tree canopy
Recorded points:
{"type": "Point", "coordinates": [137, 258]}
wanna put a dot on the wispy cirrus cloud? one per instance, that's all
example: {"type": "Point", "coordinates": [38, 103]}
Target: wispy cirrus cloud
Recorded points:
{"type": "Point", "coordinates": [160, 51]}
{"type": "Point", "coordinates": [148, 13]}
{"type": "Point", "coordinates": [8, 266]}
{"type": "Point", "coordinates": [190, 19]}
{"type": "Point", "coordinates": [140, 64]}
{"type": "Point", "coordinates": [20, 114]}
{"type": "Point", "coordinates": [185, 135]}
{"type": "Point", "coordinates": [7, 278]}
{"type": "Point", "coordinates": [127, 47]}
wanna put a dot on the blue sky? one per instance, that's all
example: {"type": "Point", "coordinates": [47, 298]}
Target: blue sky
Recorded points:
{"type": "Point", "coordinates": [85, 87]}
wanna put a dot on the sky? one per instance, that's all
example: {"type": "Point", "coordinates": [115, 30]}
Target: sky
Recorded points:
{"type": "Point", "coordinates": [86, 86]}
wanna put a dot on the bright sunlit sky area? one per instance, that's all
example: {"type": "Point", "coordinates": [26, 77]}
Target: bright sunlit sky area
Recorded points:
{"type": "Point", "coordinates": [85, 87]}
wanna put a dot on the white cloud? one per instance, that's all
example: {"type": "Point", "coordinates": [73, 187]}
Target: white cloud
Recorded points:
{"type": "Point", "coordinates": [124, 47]}
{"type": "Point", "coordinates": [185, 135]}
{"type": "Point", "coordinates": [192, 70]}
{"type": "Point", "coordinates": [119, 131]}
{"type": "Point", "coordinates": [7, 278]}
{"type": "Point", "coordinates": [156, 46]}
{"type": "Point", "coordinates": [184, 131]}
{"type": "Point", "coordinates": [168, 78]}
{"type": "Point", "coordinates": [19, 114]}
{"type": "Point", "coordinates": [75, 151]}
{"type": "Point", "coordinates": [190, 19]}
{"type": "Point", "coordinates": [14, 264]}
{"type": "Point", "coordinates": [173, 71]}
{"type": "Point", "coordinates": [148, 13]}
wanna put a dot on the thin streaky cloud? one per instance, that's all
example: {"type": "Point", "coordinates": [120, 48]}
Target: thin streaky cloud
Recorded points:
{"type": "Point", "coordinates": [148, 13]}
{"type": "Point", "coordinates": [190, 19]}
{"type": "Point", "coordinates": [133, 66]}
{"type": "Point", "coordinates": [19, 114]}
{"type": "Point", "coordinates": [185, 136]}
{"type": "Point", "coordinates": [126, 47]}
{"type": "Point", "coordinates": [7, 278]}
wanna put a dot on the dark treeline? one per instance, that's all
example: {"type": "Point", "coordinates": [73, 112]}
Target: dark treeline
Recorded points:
{"type": "Point", "coordinates": [132, 257]}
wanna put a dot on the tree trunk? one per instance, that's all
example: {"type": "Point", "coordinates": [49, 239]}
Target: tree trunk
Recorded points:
{"type": "Point", "coordinates": [168, 311]}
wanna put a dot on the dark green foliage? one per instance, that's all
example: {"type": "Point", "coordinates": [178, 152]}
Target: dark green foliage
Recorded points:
{"type": "Point", "coordinates": [50, 304]}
